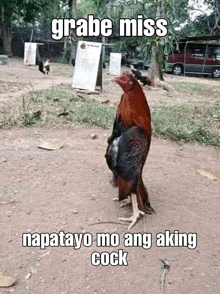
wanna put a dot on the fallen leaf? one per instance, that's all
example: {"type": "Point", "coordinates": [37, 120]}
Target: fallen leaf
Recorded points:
{"type": "Point", "coordinates": [204, 173]}
{"type": "Point", "coordinates": [6, 281]}
{"type": "Point", "coordinates": [50, 146]}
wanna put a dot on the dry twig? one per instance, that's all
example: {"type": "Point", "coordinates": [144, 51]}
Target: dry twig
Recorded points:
{"type": "Point", "coordinates": [166, 269]}
{"type": "Point", "coordinates": [115, 223]}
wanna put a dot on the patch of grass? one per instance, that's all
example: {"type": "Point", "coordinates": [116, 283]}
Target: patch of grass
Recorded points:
{"type": "Point", "coordinates": [187, 86]}
{"type": "Point", "coordinates": [55, 107]}
{"type": "Point", "coordinates": [59, 107]}
{"type": "Point", "coordinates": [195, 88]}
{"type": "Point", "coordinates": [188, 124]}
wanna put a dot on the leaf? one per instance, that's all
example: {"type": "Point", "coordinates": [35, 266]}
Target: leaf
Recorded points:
{"type": "Point", "coordinates": [6, 281]}
{"type": "Point", "coordinates": [50, 146]}
{"type": "Point", "coordinates": [206, 174]}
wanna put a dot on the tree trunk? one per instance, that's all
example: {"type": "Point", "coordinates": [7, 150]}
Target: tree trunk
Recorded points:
{"type": "Point", "coordinates": [103, 50]}
{"type": "Point", "coordinates": [7, 38]}
{"type": "Point", "coordinates": [157, 53]}
{"type": "Point", "coordinates": [74, 42]}
{"type": "Point", "coordinates": [6, 32]}
{"type": "Point", "coordinates": [73, 7]}
{"type": "Point", "coordinates": [155, 67]}
{"type": "Point", "coordinates": [73, 37]}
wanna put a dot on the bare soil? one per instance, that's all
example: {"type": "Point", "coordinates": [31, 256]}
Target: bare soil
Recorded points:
{"type": "Point", "coordinates": [69, 190]}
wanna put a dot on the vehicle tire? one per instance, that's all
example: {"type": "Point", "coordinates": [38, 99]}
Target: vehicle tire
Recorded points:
{"type": "Point", "coordinates": [177, 69]}
{"type": "Point", "coordinates": [216, 73]}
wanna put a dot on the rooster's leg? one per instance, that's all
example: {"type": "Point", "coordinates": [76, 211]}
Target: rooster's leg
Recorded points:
{"type": "Point", "coordinates": [136, 212]}
{"type": "Point", "coordinates": [125, 202]}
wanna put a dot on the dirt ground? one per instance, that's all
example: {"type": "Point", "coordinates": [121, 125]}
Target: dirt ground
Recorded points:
{"type": "Point", "coordinates": [69, 190]}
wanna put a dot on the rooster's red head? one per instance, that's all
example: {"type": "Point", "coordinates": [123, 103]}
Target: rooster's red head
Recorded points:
{"type": "Point", "coordinates": [125, 81]}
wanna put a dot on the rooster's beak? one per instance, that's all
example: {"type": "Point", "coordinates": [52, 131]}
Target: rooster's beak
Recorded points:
{"type": "Point", "coordinates": [116, 80]}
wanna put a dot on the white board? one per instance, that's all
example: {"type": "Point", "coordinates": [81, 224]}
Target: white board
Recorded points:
{"type": "Point", "coordinates": [115, 64]}
{"type": "Point", "coordinates": [87, 65]}
{"type": "Point", "coordinates": [30, 51]}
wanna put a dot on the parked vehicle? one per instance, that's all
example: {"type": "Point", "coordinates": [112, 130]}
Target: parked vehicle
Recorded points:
{"type": "Point", "coordinates": [135, 59]}
{"type": "Point", "coordinates": [203, 59]}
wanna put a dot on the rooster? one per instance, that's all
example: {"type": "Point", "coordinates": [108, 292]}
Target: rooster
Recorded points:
{"type": "Point", "coordinates": [44, 66]}
{"type": "Point", "coordinates": [138, 75]}
{"type": "Point", "coordinates": [128, 146]}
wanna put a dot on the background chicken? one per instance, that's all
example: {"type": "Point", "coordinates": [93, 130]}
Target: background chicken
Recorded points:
{"type": "Point", "coordinates": [44, 66]}
{"type": "Point", "coordinates": [129, 144]}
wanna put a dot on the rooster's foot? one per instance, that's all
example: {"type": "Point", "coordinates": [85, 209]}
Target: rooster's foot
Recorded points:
{"type": "Point", "coordinates": [136, 213]}
{"type": "Point", "coordinates": [133, 219]}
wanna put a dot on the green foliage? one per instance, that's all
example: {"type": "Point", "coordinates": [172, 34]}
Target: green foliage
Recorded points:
{"type": "Point", "coordinates": [22, 10]}
{"type": "Point", "coordinates": [203, 25]}
{"type": "Point", "coordinates": [86, 7]}
{"type": "Point", "coordinates": [176, 12]}
{"type": "Point", "coordinates": [27, 119]}
{"type": "Point", "coordinates": [99, 8]}
{"type": "Point", "coordinates": [54, 9]}
{"type": "Point", "coordinates": [206, 23]}
{"type": "Point", "coordinates": [126, 45]}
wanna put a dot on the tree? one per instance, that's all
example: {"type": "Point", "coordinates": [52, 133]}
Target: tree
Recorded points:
{"type": "Point", "coordinates": [215, 15]}
{"type": "Point", "coordinates": [205, 24]}
{"type": "Point", "coordinates": [17, 11]}
{"type": "Point", "coordinates": [100, 9]}
{"type": "Point", "coordinates": [176, 12]}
